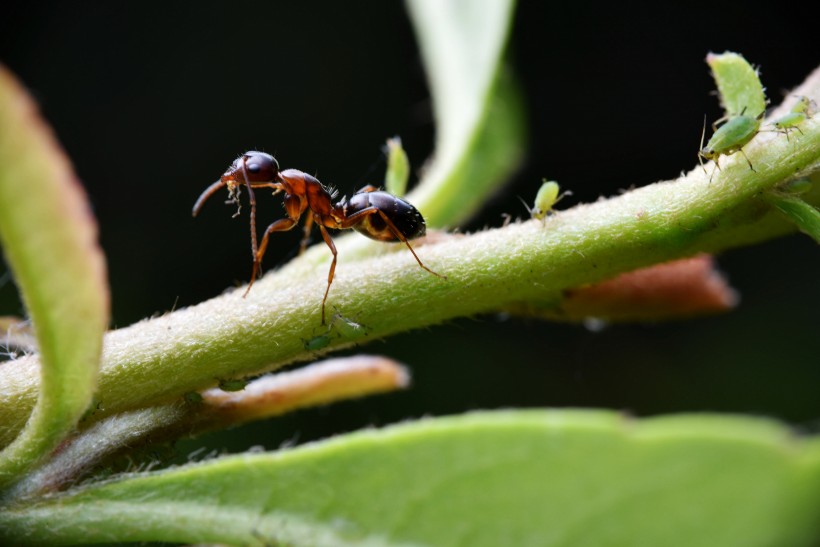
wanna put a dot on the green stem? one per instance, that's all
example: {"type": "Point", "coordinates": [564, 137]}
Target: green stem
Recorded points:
{"type": "Point", "coordinates": [230, 336]}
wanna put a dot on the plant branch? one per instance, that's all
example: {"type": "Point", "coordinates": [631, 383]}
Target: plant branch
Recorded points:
{"type": "Point", "coordinates": [161, 359]}
{"type": "Point", "coordinates": [314, 385]}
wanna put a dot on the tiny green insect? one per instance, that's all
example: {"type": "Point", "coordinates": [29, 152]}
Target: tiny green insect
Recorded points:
{"type": "Point", "coordinates": [317, 342]}
{"type": "Point", "coordinates": [232, 385]}
{"type": "Point", "coordinates": [804, 105]}
{"type": "Point", "coordinates": [192, 397]}
{"type": "Point", "coordinates": [546, 198]}
{"type": "Point", "coordinates": [800, 112]}
{"type": "Point", "coordinates": [729, 138]}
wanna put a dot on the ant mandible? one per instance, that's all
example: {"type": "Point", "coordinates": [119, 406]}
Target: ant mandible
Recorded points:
{"type": "Point", "coordinates": [373, 213]}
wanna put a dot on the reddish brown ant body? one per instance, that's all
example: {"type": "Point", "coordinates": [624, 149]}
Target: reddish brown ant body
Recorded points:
{"type": "Point", "coordinates": [373, 213]}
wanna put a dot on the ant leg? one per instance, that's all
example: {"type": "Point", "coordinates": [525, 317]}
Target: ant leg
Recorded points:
{"type": "Point", "coordinates": [367, 189]}
{"type": "Point", "coordinates": [332, 271]}
{"type": "Point", "coordinates": [357, 217]}
{"type": "Point", "coordinates": [253, 220]}
{"type": "Point", "coordinates": [257, 257]}
{"type": "Point", "coordinates": [306, 234]}
{"type": "Point", "coordinates": [281, 225]}
{"type": "Point", "coordinates": [403, 239]}
{"type": "Point", "coordinates": [747, 160]}
{"type": "Point", "coordinates": [252, 199]}
{"type": "Point", "coordinates": [277, 187]}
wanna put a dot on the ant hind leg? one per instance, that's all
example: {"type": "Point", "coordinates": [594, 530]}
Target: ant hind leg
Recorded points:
{"type": "Point", "coordinates": [403, 239]}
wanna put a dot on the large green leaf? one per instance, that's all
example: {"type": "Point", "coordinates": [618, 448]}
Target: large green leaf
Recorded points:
{"type": "Point", "coordinates": [49, 238]}
{"type": "Point", "coordinates": [505, 478]}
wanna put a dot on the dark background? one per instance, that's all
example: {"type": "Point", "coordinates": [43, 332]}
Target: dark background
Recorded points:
{"type": "Point", "coordinates": [153, 102]}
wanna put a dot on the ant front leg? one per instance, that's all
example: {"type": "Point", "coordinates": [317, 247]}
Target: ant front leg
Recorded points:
{"type": "Point", "coordinates": [306, 234]}
{"type": "Point", "coordinates": [277, 187]}
{"type": "Point", "coordinates": [281, 225]}
{"type": "Point", "coordinates": [252, 199]}
{"type": "Point", "coordinates": [332, 271]}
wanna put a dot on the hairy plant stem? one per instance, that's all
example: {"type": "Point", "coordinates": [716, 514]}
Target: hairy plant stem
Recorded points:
{"type": "Point", "coordinates": [160, 359]}
{"type": "Point", "coordinates": [229, 336]}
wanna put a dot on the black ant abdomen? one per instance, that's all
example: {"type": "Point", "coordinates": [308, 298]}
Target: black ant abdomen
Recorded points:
{"type": "Point", "coordinates": [405, 218]}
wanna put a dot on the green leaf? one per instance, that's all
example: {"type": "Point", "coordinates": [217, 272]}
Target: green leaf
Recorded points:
{"type": "Point", "coordinates": [398, 168]}
{"type": "Point", "coordinates": [558, 478]}
{"type": "Point", "coordinates": [138, 432]}
{"type": "Point", "coordinates": [49, 238]}
{"type": "Point", "coordinates": [738, 84]}
{"type": "Point", "coordinates": [804, 215]}
{"type": "Point", "coordinates": [479, 119]}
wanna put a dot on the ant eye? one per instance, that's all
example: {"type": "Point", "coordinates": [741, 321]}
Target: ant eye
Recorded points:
{"type": "Point", "coordinates": [260, 167]}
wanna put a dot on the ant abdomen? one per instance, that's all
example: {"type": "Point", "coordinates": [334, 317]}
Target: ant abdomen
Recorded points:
{"type": "Point", "coordinates": [406, 218]}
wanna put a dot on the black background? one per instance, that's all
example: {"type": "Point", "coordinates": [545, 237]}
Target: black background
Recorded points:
{"type": "Point", "coordinates": [152, 102]}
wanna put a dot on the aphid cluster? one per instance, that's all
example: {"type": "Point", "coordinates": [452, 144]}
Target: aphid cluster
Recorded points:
{"type": "Point", "coordinates": [803, 109]}
{"type": "Point", "coordinates": [737, 131]}
{"type": "Point", "coordinates": [729, 138]}
{"type": "Point", "coordinates": [373, 213]}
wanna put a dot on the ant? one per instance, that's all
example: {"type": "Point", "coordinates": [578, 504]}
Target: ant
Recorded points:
{"type": "Point", "coordinates": [371, 212]}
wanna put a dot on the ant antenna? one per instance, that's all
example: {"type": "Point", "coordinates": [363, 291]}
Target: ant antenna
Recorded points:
{"type": "Point", "coordinates": [209, 191]}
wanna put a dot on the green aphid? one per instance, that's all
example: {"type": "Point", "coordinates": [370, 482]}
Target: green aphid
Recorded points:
{"type": "Point", "coordinates": [193, 398]}
{"type": "Point", "coordinates": [232, 385]}
{"type": "Point", "coordinates": [805, 106]}
{"type": "Point", "coordinates": [800, 112]}
{"type": "Point", "coordinates": [729, 138]}
{"type": "Point", "coordinates": [317, 342]}
{"type": "Point", "coordinates": [546, 198]}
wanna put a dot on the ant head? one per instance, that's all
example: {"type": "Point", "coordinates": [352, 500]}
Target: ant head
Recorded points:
{"type": "Point", "coordinates": [249, 168]}
{"type": "Point", "coordinates": [252, 167]}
